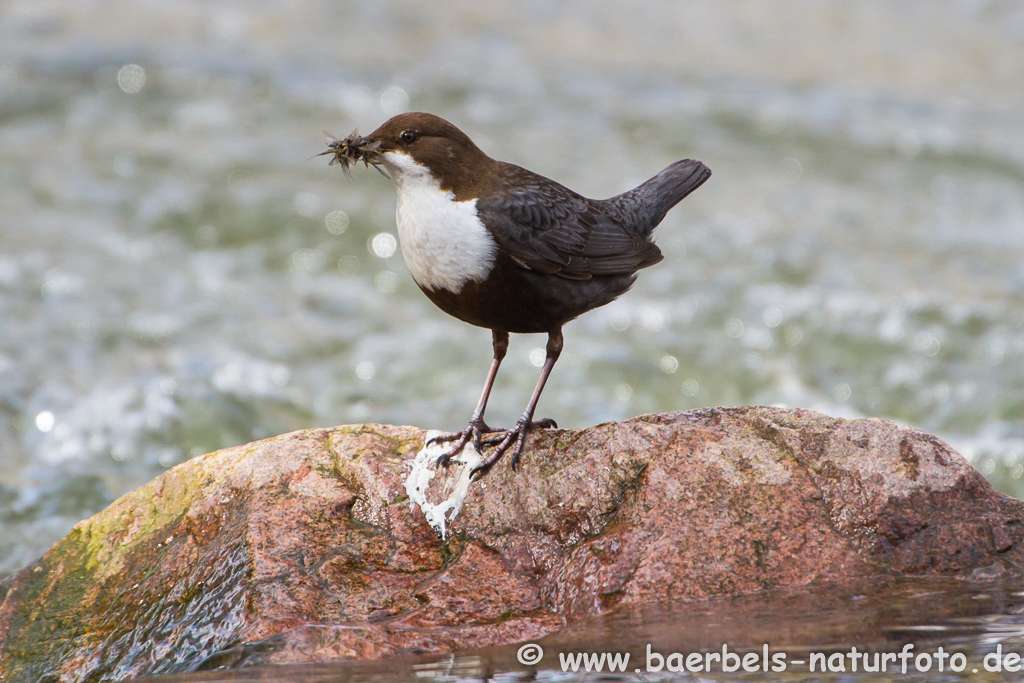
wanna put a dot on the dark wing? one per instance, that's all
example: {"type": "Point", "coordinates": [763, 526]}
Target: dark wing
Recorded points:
{"type": "Point", "coordinates": [548, 228]}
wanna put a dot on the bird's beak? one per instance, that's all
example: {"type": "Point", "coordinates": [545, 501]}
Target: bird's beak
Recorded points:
{"type": "Point", "coordinates": [353, 149]}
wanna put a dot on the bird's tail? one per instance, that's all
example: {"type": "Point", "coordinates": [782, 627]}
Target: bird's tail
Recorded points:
{"type": "Point", "coordinates": [643, 207]}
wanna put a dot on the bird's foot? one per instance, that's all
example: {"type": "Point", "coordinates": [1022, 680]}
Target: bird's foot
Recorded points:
{"type": "Point", "coordinates": [503, 439]}
{"type": "Point", "coordinates": [473, 432]}
{"type": "Point", "coordinates": [515, 439]}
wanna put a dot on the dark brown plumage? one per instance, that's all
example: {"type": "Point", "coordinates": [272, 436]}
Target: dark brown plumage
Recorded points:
{"type": "Point", "coordinates": [501, 247]}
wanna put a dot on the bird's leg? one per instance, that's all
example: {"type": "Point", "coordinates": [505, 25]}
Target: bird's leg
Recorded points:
{"type": "Point", "coordinates": [477, 427]}
{"type": "Point", "coordinates": [517, 435]}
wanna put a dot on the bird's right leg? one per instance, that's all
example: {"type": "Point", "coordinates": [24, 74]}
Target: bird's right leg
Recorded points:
{"type": "Point", "coordinates": [477, 427]}
{"type": "Point", "coordinates": [515, 438]}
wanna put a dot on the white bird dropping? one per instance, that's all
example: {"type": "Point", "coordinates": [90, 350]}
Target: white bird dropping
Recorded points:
{"type": "Point", "coordinates": [424, 465]}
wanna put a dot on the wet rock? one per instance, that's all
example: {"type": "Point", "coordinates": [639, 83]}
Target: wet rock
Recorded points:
{"type": "Point", "coordinates": [304, 547]}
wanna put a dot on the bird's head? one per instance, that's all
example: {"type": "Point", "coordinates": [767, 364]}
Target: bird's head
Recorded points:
{"type": "Point", "coordinates": [414, 145]}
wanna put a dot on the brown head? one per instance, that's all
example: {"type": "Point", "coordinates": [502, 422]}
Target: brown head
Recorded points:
{"type": "Point", "coordinates": [416, 142]}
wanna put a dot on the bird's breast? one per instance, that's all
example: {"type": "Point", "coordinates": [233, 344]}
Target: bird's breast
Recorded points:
{"type": "Point", "coordinates": [444, 242]}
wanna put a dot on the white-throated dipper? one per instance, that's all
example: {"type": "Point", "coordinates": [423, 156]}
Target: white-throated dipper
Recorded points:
{"type": "Point", "coordinates": [501, 247]}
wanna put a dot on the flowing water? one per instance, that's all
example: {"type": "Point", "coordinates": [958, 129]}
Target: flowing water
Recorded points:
{"type": "Point", "coordinates": [176, 276]}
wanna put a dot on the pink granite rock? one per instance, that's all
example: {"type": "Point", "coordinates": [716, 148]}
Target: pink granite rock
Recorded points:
{"type": "Point", "coordinates": [303, 547]}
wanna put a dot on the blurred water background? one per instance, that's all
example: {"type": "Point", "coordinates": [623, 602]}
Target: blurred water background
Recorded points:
{"type": "Point", "coordinates": [176, 276]}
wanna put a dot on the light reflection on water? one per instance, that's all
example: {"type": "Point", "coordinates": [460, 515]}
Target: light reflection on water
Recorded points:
{"type": "Point", "coordinates": [176, 277]}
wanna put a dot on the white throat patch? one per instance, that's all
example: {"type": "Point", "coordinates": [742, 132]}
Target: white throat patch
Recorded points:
{"type": "Point", "coordinates": [444, 243]}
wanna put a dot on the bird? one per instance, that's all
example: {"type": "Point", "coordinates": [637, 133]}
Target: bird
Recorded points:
{"type": "Point", "coordinates": [503, 248]}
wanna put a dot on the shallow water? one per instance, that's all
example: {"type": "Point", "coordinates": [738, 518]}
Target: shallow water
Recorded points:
{"type": "Point", "coordinates": [176, 277]}
{"type": "Point", "coordinates": [970, 622]}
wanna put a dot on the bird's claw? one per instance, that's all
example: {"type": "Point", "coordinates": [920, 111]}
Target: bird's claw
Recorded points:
{"type": "Point", "coordinates": [515, 439]}
{"type": "Point", "coordinates": [474, 431]}
{"type": "Point", "coordinates": [502, 439]}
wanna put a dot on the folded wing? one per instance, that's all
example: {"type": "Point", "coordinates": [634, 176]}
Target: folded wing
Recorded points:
{"type": "Point", "coordinates": [550, 229]}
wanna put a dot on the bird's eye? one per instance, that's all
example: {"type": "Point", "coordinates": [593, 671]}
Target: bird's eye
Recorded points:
{"type": "Point", "coordinates": [409, 137]}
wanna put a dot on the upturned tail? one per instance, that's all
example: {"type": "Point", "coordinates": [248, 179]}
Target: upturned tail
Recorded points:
{"type": "Point", "coordinates": [643, 208]}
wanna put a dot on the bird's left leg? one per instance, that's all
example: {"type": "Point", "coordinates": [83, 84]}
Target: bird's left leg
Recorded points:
{"type": "Point", "coordinates": [517, 435]}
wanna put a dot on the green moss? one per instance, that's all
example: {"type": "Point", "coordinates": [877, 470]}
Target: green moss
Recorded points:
{"type": "Point", "coordinates": [48, 618]}
{"type": "Point", "coordinates": [112, 534]}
